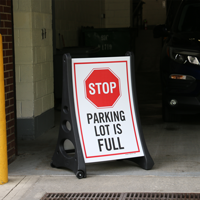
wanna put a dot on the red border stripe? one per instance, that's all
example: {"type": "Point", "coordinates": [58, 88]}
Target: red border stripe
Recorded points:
{"type": "Point", "coordinates": [82, 63]}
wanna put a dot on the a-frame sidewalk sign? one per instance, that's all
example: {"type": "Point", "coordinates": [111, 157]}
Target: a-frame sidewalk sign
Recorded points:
{"type": "Point", "coordinates": [99, 114]}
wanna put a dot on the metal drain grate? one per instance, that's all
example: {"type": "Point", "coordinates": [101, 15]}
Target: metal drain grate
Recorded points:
{"type": "Point", "coordinates": [161, 196]}
{"type": "Point", "coordinates": [83, 196]}
{"type": "Point", "coordinates": [120, 196]}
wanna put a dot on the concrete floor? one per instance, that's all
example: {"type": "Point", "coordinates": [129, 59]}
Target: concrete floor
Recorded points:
{"type": "Point", "coordinates": [174, 148]}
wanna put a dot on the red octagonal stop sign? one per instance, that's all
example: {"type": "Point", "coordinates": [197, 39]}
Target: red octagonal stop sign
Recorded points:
{"type": "Point", "coordinates": [102, 87]}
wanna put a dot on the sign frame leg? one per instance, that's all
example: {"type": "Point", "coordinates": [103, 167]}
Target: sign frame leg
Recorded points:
{"type": "Point", "coordinates": [146, 161]}
{"type": "Point", "coordinates": [61, 157]}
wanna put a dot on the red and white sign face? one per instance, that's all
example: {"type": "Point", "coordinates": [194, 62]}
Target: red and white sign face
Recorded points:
{"type": "Point", "coordinates": [102, 88]}
{"type": "Point", "coordinates": [104, 107]}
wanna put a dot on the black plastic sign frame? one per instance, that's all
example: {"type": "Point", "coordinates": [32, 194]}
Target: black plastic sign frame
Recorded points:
{"type": "Point", "coordinates": [74, 159]}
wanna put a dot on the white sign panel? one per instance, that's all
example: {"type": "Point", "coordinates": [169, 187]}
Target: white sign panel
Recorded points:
{"type": "Point", "coordinates": [104, 108]}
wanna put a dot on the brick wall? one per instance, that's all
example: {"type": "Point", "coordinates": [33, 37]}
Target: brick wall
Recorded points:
{"type": "Point", "coordinates": [6, 31]}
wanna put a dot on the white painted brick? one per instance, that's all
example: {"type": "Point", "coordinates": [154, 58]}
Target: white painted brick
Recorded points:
{"type": "Point", "coordinates": [23, 55]}
{"type": "Point", "coordinates": [50, 85]}
{"type": "Point", "coordinates": [49, 38]}
{"type": "Point", "coordinates": [49, 53]}
{"type": "Point", "coordinates": [24, 5]}
{"type": "Point", "coordinates": [46, 103]}
{"type": "Point", "coordinates": [125, 20]}
{"type": "Point", "coordinates": [39, 54]}
{"type": "Point", "coordinates": [73, 25]}
{"type": "Point", "coordinates": [76, 14]}
{"type": "Point", "coordinates": [17, 73]}
{"type": "Point", "coordinates": [19, 109]}
{"type": "Point", "coordinates": [41, 88]}
{"type": "Point", "coordinates": [58, 45]}
{"type": "Point", "coordinates": [110, 14]}
{"type": "Point", "coordinates": [45, 70]}
{"type": "Point", "coordinates": [122, 14]}
{"type": "Point", "coordinates": [149, 10]}
{"type": "Point", "coordinates": [24, 91]}
{"type": "Point", "coordinates": [34, 56]}
{"type": "Point", "coordinates": [36, 5]}
{"type": "Point", "coordinates": [38, 107]}
{"type": "Point", "coordinates": [58, 24]}
{"type": "Point", "coordinates": [26, 73]}
{"type": "Point", "coordinates": [38, 20]}
{"type": "Point", "coordinates": [65, 24]}
{"type": "Point", "coordinates": [48, 41]}
{"type": "Point", "coordinates": [59, 9]}
{"type": "Point", "coordinates": [37, 37]}
{"type": "Point", "coordinates": [115, 23]}
{"type": "Point", "coordinates": [71, 39]}
{"type": "Point", "coordinates": [16, 37]}
{"type": "Point", "coordinates": [52, 100]}
{"type": "Point", "coordinates": [46, 6]}
{"type": "Point", "coordinates": [51, 69]}
{"type": "Point", "coordinates": [117, 13]}
{"type": "Point", "coordinates": [22, 20]}
{"type": "Point", "coordinates": [15, 5]}
{"type": "Point", "coordinates": [72, 8]}
{"type": "Point", "coordinates": [110, 25]}
{"type": "Point", "coordinates": [47, 18]}
{"type": "Point", "coordinates": [27, 109]}
{"type": "Point", "coordinates": [117, 1]}
{"type": "Point", "coordinates": [25, 37]}
{"type": "Point", "coordinates": [118, 5]}
{"type": "Point", "coordinates": [34, 90]}
{"type": "Point", "coordinates": [37, 72]}
{"type": "Point", "coordinates": [96, 22]}
{"type": "Point", "coordinates": [94, 6]}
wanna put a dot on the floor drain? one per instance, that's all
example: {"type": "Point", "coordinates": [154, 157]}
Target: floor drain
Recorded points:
{"type": "Point", "coordinates": [83, 196]}
{"type": "Point", "coordinates": [120, 196]}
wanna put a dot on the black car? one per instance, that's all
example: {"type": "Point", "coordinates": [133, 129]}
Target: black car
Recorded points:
{"type": "Point", "coordinates": [180, 61]}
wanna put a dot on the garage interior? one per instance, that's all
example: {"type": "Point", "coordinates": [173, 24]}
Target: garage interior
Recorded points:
{"type": "Point", "coordinates": [174, 147]}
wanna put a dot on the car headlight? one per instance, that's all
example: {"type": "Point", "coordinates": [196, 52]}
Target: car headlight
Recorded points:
{"type": "Point", "coordinates": [193, 60]}
{"type": "Point", "coordinates": [182, 56]}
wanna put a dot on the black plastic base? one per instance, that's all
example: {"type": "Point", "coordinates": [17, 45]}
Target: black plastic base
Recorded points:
{"type": "Point", "coordinates": [73, 159]}
{"type": "Point", "coordinates": [62, 158]}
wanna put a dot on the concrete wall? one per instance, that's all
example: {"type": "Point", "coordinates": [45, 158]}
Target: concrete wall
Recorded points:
{"type": "Point", "coordinates": [117, 13]}
{"type": "Point", "coordinates": [70, 15]}
{"type": "Point", "coordinates": [154, 11]}
{"type": "Point", "coordinates": [34, 54]}
{"type": "Point", "coordinates": [33, 58]}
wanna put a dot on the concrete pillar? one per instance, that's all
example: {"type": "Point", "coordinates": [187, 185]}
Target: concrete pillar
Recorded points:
{"type": "Point", "coordinates": [34, 67]}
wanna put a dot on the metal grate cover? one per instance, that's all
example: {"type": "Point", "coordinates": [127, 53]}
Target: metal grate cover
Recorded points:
{"type": "Point", "coordinates": [120, 196]}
